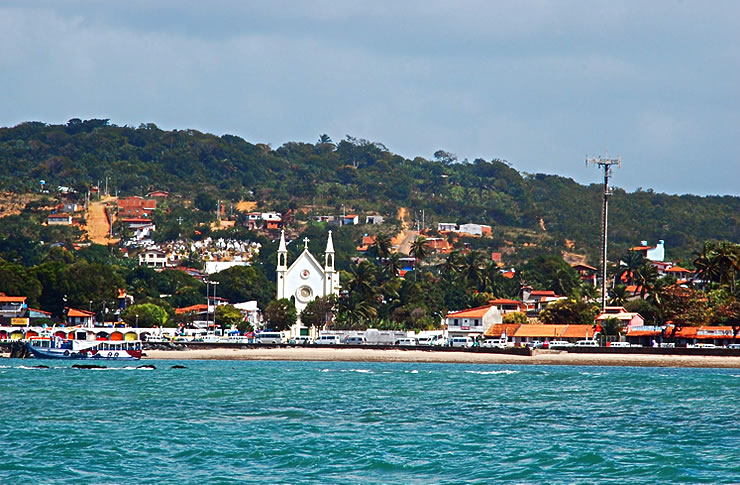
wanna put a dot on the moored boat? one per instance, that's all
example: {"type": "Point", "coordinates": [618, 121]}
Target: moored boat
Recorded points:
{"type": "Point", "coordinates": [59, 348]}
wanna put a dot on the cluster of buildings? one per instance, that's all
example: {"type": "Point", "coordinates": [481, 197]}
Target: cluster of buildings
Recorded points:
{"type": "Point", "coordinates": [349, 219]}
{"type": "Point", "coordinates": [216, 254]}
{"type": "Point", "coordinates": [468, 229]}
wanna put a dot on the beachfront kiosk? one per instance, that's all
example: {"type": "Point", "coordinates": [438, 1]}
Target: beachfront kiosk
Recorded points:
{"type": "Point", "coordinates": [306, 279]}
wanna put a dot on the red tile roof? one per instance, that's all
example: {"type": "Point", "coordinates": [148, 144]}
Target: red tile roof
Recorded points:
{"type": "Point", "coordinates": [496, 330]}
{"type": "Point", "coordinates": [73, 312]}
{"type": "Point", "coordinates": [476, 312]}
{"type": "Point", "coordinates": [508, 274]}
{"type": "Point", "coordinates": [13, 299]}
{"type": "Point", "coordinates": [677, 269]}
{"type": "Point", "coordinates": [641, 248]}
{"type": "Point", "coordinates": [543, 293]}
{"type": "Point", "coordinates": [192, 308]}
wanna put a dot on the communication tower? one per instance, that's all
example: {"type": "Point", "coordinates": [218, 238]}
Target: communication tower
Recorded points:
{"type": "Point", "coordinates": [606, 164]}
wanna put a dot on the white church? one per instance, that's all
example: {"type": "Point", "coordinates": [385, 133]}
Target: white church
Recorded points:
{"type": "Point", "coordinates": [306, 279]}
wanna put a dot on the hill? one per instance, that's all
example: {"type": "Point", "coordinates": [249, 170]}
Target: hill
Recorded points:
{"type": "Point", "coordinates": [553, 212]}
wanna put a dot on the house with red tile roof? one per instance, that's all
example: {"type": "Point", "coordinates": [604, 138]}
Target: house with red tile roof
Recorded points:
{"type": "Point", "coordinates": [626, 319]}
{"type": "Point", "coordinates": [586, 272]}
{"type": "Point", "coordinates": [366, 242]}
{"type": "Point", "coordinates": [653, 253]}
{"type": "Point", "coordinates": [505, 305]}
{"type": "Point", "coordinates": [79, 317]}
{"type": "Point", "coordinates": [472, 322]}
{"type": "Point", "coordinates": [12, 306]}
{"type": "Point", "coordinates": [135, 206]}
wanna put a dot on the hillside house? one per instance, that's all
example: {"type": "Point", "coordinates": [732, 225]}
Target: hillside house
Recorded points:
{"type": "Point", "coordinates": [80, 317]}
{"type": "Point", "coordinates": [135, 206]}
{"type": "Point", "coordinates": [374, 219]}
{"type": "Point", "coordinates": [627, 319]}
{"type": "Point", "coordinates": [153, 258]}
{"type": "Point", "coordinates": [653, 253]}
{"type": "Point", "coordinates": [508, 306]}
{"type": "Point", "coordinates": [59, 220]}
{"type": "Point", "coordinates": [586, 272]}
{"type": "Point", "coordinates": [366, 242]}
{"type": "Point", "coordinates": [136, 222]}
{"type": "Point", "coordinates": [350, 220]}
{"type": "Point", "coordinates": [12, 306]}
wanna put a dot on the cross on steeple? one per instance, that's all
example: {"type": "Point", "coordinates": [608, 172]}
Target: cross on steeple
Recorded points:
{"type": "Point", "coordinates": [305, 242]}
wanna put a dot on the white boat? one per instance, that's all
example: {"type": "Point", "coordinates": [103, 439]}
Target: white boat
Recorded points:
{"type": "Point", "coordinates": [59, 348]}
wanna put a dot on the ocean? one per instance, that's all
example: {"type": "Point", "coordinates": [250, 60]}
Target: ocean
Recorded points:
{"type": "Point", "coordinates": [343, 422]}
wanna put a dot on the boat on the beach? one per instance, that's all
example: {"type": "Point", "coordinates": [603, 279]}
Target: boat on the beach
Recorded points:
{"type": "Point", "coordinates": [59, 348]}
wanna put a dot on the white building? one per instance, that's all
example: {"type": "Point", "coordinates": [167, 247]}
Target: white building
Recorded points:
{"type": "Point", "coordinates": [472, 322]}
{"type": "Point", "coordinates": [153, 258]}
{"type": "Point", "coordinates": [306, 279]}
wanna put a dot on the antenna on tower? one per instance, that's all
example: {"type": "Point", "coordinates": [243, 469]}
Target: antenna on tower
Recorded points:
{"type": "Point", "coordinates": [606, 164]}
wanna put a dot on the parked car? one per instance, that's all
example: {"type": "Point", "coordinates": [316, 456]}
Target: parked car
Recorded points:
{"type": "Point", "coordinates": [619, 344]}
{"type": "Point", "coordinates": [269, 338]}
{"type": "Point", "coordinates": [355, 340]}
{"type": "Point", "coordinates": [587, 343]}
{"type": "Point", "coordinates": [441, 342]}
{"type": "Point", "coordinates": [701, 346]}
{"type": "Point", "coordinates": [461, 342]}
{"type": "Point", "coordinates": [301, 340]}
{"type": "Point", "coordinates": [329, 340]}
{"type": "Point", "coordinates": [733, 346]}
{"type": "Point", "coordinates": [535, 344]}
{"type": "Point", "coordinates": [429, 340]}
{"type": "Point", "coordinates": [560, 343]}
{"type": "Point", "coordinates": [498, 343]}
{"type": "Point", "coordinates": [408, 341]}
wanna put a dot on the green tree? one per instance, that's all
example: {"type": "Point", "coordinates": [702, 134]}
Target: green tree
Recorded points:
{"type": "Point", "coordinates": [280, 314]}
{"type": "Point", "coordinates": [515, 317]}
{"type": "Point", "coordinates": [419, 249]}
{"type": "Point", "coordinates": [145, 315]}
{"type": "Point", "coordinates": [243, 283]}
{"type": "Point", "coordinates": [382, 245]}
{"type": "Point", "coordinates": [569, 311]}
{"type": "Point", "coordinates": [227, 316]}
{"type": "Point", "coordinates": [319, 311]}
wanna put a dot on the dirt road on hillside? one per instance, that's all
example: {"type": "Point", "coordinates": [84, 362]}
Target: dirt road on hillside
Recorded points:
{"type": "Point", "coordinates": [97, 228]}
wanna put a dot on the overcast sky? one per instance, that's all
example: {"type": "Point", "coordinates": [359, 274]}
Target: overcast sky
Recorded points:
{"type": "Point", "coordinates": [538, 83]}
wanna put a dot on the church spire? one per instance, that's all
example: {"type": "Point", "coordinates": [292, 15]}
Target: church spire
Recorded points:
{"type": "Point", "coordinates": [329, 256]}
{"type": "Point", "coordinates": [282, 254]}
{"type": "Point", "coordinates": [282, 247]}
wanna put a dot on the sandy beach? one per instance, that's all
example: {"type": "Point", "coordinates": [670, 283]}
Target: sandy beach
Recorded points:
{"type": "Point", "coordinates": [376, 355]}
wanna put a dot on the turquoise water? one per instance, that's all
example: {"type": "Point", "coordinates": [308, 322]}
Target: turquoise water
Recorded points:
{"type": "Point", "coordinates": [326, 422]}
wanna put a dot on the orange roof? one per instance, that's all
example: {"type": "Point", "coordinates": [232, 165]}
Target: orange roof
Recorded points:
{"type": "Point", "coordinates": [505, 301]}
{"type": "Point", "coordinates": [39, 311]}
{"type": "Point", "coordinates": [136, 219]}
{"type": "Point", "coordinates": [13, 299]}
{"type": "Point", "coordinates": [687, 332]}
{"type": "Point", "coordinates": [477, 312]}
{"type": "Point", "coordinates": [192, 308]}
{"type": "Point", "coordinates": [540, 331]}
{"type": "Point", "coordinates": [73, 312]}
{"type": "Point", "coordinates": [583, 265]}
{"type": "Point", "coordinates": [543, 293]}
{"type": "Point", "coordinates": [677, 269]}
{"type": "Point", "coordinates": [643, 333]}
{"type": "Point", "coordinates": [578, 331]}
{"type": "Point", "coordinates": [633, 288]}
{"type": "Point", "coordinates": [508, 274]}
{"type": "Point", "coordinates": [499, 328]}
{"type": "Point", "coordinates": [641, 248]}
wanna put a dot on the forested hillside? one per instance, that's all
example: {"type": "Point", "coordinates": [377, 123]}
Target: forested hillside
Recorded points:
{"type": "Point", "coordinates": [360, 174]}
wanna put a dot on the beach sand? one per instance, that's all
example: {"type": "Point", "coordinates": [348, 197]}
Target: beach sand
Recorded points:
{"type": "Point", "coordinates": [544, 357]}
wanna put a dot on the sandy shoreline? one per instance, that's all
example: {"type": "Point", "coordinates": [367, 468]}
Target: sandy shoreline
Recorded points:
{"type": "Point", "coordinates": [376, 355]}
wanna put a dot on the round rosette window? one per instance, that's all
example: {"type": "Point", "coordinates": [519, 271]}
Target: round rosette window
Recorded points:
{"type": "Point", "coordinates": [304, 293]}
{"type": "Point", "coordinates": [305, 274]}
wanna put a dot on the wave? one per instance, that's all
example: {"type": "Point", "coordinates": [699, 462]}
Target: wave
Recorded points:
{"type": "Point", "coordinates": [491, 372]}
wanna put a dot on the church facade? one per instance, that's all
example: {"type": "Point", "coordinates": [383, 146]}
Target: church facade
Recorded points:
{"type": "Point", "coordinates": [306, 279]}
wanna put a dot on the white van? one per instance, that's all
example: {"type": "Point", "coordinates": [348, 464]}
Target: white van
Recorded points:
{"type": "Point", "coordinates": [587, 343]}
{"type": "Point", "coordinates": [461, 342]}
{"type": "Point", "coordinates": [620, 344]}
{"type": "Point", "coordinates": [406, 342]}
{"type": "Point", "coordinates": [268, 338]}
{"type": "Point", "coordinates": [355, 340]}
{"type": "Point", "coordinates": [329, 340]}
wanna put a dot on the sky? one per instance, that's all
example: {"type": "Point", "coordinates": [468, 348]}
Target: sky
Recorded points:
{"type": "Point", "coordinates": [541, 84]}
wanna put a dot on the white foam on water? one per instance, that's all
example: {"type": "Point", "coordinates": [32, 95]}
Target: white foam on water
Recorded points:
{"type": "Point", "coordinates": [491, 372]}
{"type": "Point", "coordinates": [360, 371]}
{"type": "Point", "coordinates": [31, 368]}
{"type": "Point", "coordinates": [412, 371]}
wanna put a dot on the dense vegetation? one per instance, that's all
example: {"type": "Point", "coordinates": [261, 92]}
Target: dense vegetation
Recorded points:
{"type": "Point", "coordinates": [358, 174]}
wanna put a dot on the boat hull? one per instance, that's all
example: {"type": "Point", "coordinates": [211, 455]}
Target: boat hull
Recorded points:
{"type": "Point", "coordinates": [87, 354]}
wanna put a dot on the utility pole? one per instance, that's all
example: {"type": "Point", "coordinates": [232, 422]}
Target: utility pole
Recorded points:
{"type": "Point", "coordinates": [606, 164]}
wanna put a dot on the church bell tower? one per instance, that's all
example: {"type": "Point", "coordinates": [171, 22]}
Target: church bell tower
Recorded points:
{"type": "Point", "coordinates": [282, 266]}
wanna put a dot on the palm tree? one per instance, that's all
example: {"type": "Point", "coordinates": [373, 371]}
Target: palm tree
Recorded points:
{"type": "Point", "coordinates": [324, 138]}
{"type": "Point", "coordinates": [392, 265]}
{"type": "Point", "coordinates": [419, 249]}
{"type": "Point", "coordinates": [645, 277]}
{"type": "Point", "coordinates": [619, 295]}
{"type": "Point", "coordinates": [631, 262]}
{"type": "Point", "coordinates": [450, 266]}
{"type": "Point", "coordinates": [382, 245]}
{"type": "Point", "coordinates": [362, 280]}
{"type": "Point", "coordinates": [471, 270]}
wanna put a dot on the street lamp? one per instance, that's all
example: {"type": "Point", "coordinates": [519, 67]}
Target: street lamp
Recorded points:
{"type": "Point", "coordinates": [137, 321]}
